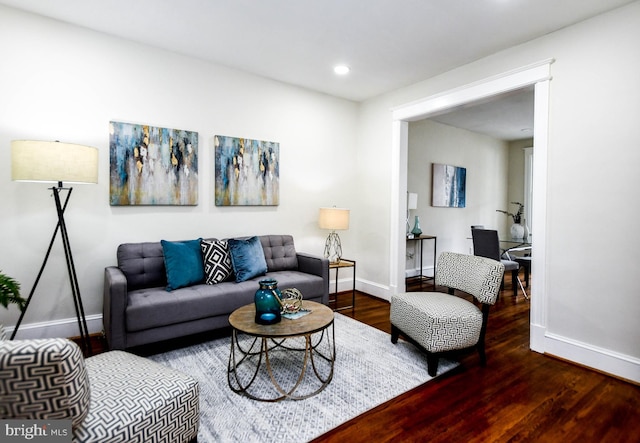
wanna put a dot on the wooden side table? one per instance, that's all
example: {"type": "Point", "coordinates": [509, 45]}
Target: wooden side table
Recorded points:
{"type": "Point", "coordinates": [343, 263]}
{"type": "Point", "coordinates": [420, 239]}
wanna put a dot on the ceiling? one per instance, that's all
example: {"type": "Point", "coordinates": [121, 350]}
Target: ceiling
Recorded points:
{"type": "Point", "coordinates": [387, 44]}
{"type": "Point", "coordinates": [507, 116]}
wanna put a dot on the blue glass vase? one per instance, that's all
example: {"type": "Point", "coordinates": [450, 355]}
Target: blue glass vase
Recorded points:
{"type": "Point", "coordinates": [417, 231]}
{"type": "Point", "coordinates": [267, 304]}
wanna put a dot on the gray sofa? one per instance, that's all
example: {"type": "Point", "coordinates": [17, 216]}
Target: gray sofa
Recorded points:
{"type": "Point", "coordinates": [138, 309]}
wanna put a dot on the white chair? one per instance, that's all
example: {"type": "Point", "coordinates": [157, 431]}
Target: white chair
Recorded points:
{"type": "Point", "coordinates": [441, 323]}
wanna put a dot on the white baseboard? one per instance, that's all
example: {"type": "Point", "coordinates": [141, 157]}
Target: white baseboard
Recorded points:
{"type": "Point", "coordinates": [67, 327]}
{"type": "Point", "coordinates": [604, 360]}
{"type": "Point", "coordinates": [536, 338]}
{"type": "Point", "coordinates": [428, 271]}
{"type": "Point", "coordinates": [375, 289]}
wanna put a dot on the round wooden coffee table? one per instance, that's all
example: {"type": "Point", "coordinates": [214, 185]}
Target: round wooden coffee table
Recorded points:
{"type": "Point", "coordinates": [264, 358]}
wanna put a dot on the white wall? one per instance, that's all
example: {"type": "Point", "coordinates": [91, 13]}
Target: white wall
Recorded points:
{"type": "Point", "coordinates": [592, 182]}
{"type": "Point", "coordinates": [516, 181]}
{"type": "Point", "coordinates": [487, 162]}
{"type": "Point", "coordinates": [60, 82]}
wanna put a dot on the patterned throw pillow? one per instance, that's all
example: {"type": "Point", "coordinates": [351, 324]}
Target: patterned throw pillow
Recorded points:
{"type": "Point", "coordinates": [217, 261]}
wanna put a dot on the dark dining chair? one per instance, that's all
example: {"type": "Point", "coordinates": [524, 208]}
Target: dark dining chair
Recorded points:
{"type": "Point", "coordinates": [525, 262]}
{"type": "Point", "coordinates": [486, 244]}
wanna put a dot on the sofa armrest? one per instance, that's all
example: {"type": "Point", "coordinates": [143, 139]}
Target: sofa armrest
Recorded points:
{"type": "Point", "coordinates": [114, 307]}
{"type": "Point", "coordinates": [312, 264]}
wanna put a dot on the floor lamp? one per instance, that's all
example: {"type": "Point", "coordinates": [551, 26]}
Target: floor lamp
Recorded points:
{"type": "Point", "coordinates": [56, 162]}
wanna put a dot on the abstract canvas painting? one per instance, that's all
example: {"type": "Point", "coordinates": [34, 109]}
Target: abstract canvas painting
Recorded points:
{"type": "Point", "coordinates": [449, 186]}
{"type": "Point", "coordinates": [247, 172]}
{"type": "Point", "coordinates": [152, 166]}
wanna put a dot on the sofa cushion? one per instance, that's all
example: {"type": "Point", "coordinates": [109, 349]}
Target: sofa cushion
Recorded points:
{"type": "Point", "coordinates": [183, 263]}
{"type": "Point", "coordinates": [151, 308]}
{"type": "Point", "coordinates": [155, 307]}
{"type": "Point", "coordinates": [142, 264]}
{"type": "Point", "coordinates": [308, 284]}
{"type": "Point", "coordinates": [279, 252]}
{"type": "Point", "coordinates": [247, 257]}
{"type": "Point", "coordinates": [217, 261]}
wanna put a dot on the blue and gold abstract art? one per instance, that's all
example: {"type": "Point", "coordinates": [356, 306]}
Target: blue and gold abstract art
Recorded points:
{"type": "Point", "coordinates": [247, 172]}
{"type": "Point", "coordinates": [152, 166]}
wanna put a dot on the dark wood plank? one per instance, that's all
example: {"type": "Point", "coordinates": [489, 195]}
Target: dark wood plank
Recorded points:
{"type": "Point", "coordinates": [519, 396]}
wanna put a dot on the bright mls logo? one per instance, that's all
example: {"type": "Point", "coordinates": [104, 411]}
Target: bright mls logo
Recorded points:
{"type": "Point", "coordinates": [43, 431]}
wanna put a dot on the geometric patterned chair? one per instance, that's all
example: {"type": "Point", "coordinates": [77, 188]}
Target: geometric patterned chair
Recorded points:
{"type": "Point", "coordinates": [114, 396]}
{"type": "Point", "coordinates": [440, 323]}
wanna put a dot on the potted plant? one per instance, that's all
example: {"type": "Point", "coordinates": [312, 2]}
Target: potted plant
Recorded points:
{"type": "Point", "coordinates": [9, 293]}
{"type": "Point", "coordinates": [517, 230]}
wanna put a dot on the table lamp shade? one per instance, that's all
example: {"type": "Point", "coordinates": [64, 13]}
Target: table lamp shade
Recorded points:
{"type": "Point", "coordinates": [333, 218]}
{"type": "Point", "coordinates": [412, 201]}
{"type": "Point", "coordinates": [53, 162]}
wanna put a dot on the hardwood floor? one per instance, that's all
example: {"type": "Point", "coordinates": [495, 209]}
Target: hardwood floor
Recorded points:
{"type": "Point", "coordinates": [519, 396]}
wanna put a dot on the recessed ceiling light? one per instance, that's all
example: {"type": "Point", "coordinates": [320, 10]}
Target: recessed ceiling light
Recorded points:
{"type": "Point", "coordinates": [341, 69]}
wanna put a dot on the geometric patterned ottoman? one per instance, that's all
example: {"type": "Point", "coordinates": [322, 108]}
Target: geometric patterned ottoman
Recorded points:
{"type": "Point", "coordinates": [111, 397]}
{"type": "Point", "coordinates": [134, 399]}
{"type": "Point", "coordinates": [43, 379]}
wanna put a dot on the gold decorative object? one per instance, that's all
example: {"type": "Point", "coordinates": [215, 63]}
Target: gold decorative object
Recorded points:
{"type": "Point", "coordinates": [291, 300]}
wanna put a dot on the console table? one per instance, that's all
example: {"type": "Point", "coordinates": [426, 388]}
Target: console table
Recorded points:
{"type": "Point", "coordinates": [420, 241]}
{"type": "Point", "coordinates": [343, 263]}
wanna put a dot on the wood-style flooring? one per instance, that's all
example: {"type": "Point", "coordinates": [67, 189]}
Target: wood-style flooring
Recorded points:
{"type": "Point", "coordinates": [519, 396]}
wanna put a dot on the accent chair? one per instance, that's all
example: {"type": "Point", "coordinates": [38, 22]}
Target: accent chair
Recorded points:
{"type": "Point", "coordinates": [442, 323]}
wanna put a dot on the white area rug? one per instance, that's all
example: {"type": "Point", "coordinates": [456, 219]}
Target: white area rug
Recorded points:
{"type": "Point", "coordinates": [369, 370]}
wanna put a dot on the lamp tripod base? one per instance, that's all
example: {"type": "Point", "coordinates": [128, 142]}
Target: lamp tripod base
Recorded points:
{"type": "Point", "coordinates": [85, 342]}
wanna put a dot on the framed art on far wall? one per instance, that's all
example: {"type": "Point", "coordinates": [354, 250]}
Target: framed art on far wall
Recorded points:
{"type": "Point", "coordinates": [152, 166]}
{"type": "Point", "coordinates": [449, 186]}
{"type": "Point", "coordinates": [247, 172]}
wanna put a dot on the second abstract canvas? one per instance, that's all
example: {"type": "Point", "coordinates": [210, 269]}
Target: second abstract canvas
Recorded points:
{"type": "Point", "coordinates": [247, 172]}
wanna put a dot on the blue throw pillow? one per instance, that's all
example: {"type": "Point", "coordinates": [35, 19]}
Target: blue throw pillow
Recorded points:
{"type": "Point", "coordinates": [247, 258]}
{"type": "Point", "coordinates": [183, 263]}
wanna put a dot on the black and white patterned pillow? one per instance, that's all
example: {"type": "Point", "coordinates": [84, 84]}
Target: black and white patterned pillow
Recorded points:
{"type": "Point", "coordinates": [217, 261]}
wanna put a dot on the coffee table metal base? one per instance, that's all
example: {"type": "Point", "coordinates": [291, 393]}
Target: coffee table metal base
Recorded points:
{"type": "Point", "coordinates": [257, 352]}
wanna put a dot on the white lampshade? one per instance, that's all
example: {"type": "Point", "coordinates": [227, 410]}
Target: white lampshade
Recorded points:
{"type": "Point", "coordinates": [333, 218]}
{"type": "Point", "coordinates": [412, 201]}
{"type": "Point", "coordinates": [53, 162]}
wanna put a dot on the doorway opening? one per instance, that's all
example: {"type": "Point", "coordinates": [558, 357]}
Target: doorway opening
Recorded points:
{"type": "Point", "coordinates": [538, 76]}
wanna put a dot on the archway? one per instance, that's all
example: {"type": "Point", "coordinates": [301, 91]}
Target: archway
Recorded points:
{"type": "Point", "coordinates": [537, 75]}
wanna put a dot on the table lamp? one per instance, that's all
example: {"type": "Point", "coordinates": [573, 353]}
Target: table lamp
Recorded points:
{"type": "Point", "coordinates": [333, 219]}
{"type": "Point", "coordinates": [412, 203]}
{"type": "Point", "coordinates": [55, 162]}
